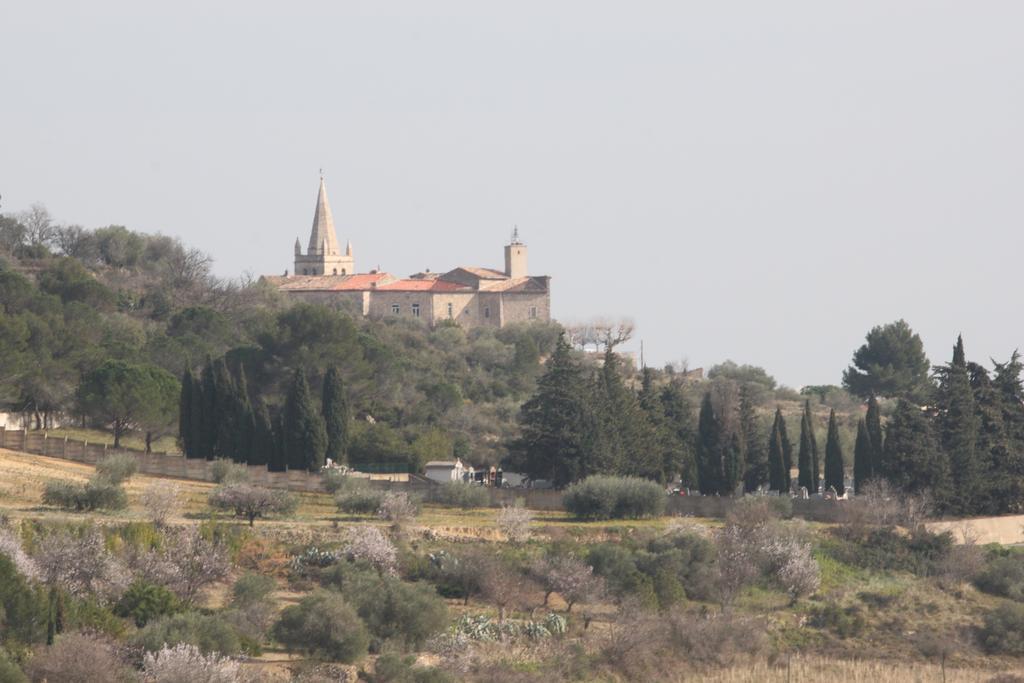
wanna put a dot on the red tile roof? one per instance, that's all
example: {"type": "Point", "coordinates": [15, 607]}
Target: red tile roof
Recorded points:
{"type": "Point", "coordinates": [335, 283]}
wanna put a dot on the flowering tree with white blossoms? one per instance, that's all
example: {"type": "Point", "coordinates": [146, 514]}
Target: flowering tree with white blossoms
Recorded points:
{"type": "Point", "coordinates": [369, 544]}
{"type": "Point", "coordinates": [184, 663]}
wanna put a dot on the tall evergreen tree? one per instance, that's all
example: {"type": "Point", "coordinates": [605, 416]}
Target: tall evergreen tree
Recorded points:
{"type": "Point", "coordinates": [337, 415]}
{"type": "Point", "coordinates": [264, 442]}
{"type": "Point", "coordinates": [805, 471]}
{"type": "Point", "coordinates": [787, 450]}
{"type": "Point", "coordinates": [680, 455]}
{"type": "Point", "coordinates": [710, 438]}
{"type": "Point", "coordinates": [244, 419]}
{"type": "Point", "coordinates": [208, 414]}
{"type": "Point", "coordinates": [186, 434]}
{"type": "Point", "coordinates": [834, 471]}
{"type": "Point", "coordinates": [958, 429]}
{"type": "Point", "coordinates": [862, 458]}
{"type": "Point", "coordinates": [913, 460]}
{"type": "Point", "coordinates": [305, 438]}
{"type": "Point", "coordinates": [278, 457]}
{"type": "Point", "coordinates": [733, 464]}
{"type": "Point", "coordinates": [1001, 459]}
{"type": "Point", "coordinates": [815, 453]}
{"type": "Point", "coordinates": [776, 459]}
{"type": "Point", "coordinates": [754, 445]}
{"type": "Point", "coordinates": [873, 422]}
{"type": "Point", "coordinates": [225, 411]}
{"type": "Point", "coordinates": [552, 444]}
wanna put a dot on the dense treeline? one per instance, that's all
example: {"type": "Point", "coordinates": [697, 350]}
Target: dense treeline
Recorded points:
{"type": "Point", "coordinates": [101, 327]}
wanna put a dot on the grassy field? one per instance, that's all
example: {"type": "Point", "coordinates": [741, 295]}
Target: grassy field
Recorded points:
{"type": "Point", "coordinates": [165, 444]}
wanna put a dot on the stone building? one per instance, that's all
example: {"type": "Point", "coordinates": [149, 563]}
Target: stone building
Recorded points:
{"type": "Point", "coordinates": [469, 296]}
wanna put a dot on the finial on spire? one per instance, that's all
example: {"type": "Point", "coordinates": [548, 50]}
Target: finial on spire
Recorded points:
{"type": "Point", "coordinates": [515, 234]}
{"type": "Point", "coordinates": [321, 173]}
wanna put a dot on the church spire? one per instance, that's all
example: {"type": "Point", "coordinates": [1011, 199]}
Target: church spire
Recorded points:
{"type": "Point", "coordinates": [323, 240]}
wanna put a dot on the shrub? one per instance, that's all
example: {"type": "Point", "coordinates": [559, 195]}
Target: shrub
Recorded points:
{"type": "Point", "coordinates": [224, 471]}
{"type": "Point", "coordinates": [250, 502]}
{"type": "Point", "coordinates": [461, 495]}
{"type": "Point", "coordinates": [605, 497]}
{"type": "Point", "coordinates": [392, 668]}
{"type": "Point", "coordinates": [392, 609]}
{"type": "Point", "coordinates": [252, 587]}
{"type": "Point", "coordinates": [397, 507]}
{"type": "Point", "coordinates": [1003, 630]}
{"type": "Point", "coordinates": [79, 658]}
{"type": "Point", "coordinates": [333, 479]}
{"type": "Point", "coordinates": [10, 546]}
{"type": "Point", "coordinates": [162, 501]}
{"type": "Point", "coordinates": [184, 663]}
{"type": "Point", "coordinates": [514, 522]}
{"type": "Point", "coordinates": [143, 602]}
{"type": "Point", "coordinates": [209, 633]}
{"type": "Point", "coordinates": [568, 576]}
{"type": "Point", "coordinates": [921, 552]}
{"type": "Point", "coordinates": [719, 640]}
{"type": "Point", "coordinates": [97, 494]}
{"type": "Point", "coordinates": [1004, 576]}
{"type": "Point", "coordinates": [117, 468]}
{"type": "Point", "coordinates": [22, 606]}
{"type": "Point", "coordinates": [617, 565]}
{"type": "Point", "coordinates": [324, 626]}
{"type": "Point", "coordinates": [357, 497]}
{"type": "Point", "coordinates": [9, 671]}
{"type": "Point", "coordinates": [844, 622]}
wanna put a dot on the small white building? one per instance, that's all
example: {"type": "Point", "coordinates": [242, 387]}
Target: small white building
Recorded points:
{"type": "Point", "coordinates": [444, 470]}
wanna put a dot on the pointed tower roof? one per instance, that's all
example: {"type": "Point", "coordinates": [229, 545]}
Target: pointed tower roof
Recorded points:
{"type": "Point", "coordinates": [323, 240]}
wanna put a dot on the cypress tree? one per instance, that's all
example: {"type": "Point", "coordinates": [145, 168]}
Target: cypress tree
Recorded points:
{"type": "Point", "coordinates": [834, 472]}
{"type": "Point", "coordinates": [305, 439]}
{"type": "Point", "coordinates": [862, 458]}
{"type": "Point", "coordinates": [681, 445]}
{"type": "Point", "coordinates": [709, 449]}
{"type": "Point", "coordinates": [225, 409]}
{"type": "Point", "coordinates": [776, 460]}
{"type": "Point", "coordinates": [815, 455]}
{"type": "Point", "coordinates": [278, 459]}
{"type": "Point", "coordinates": [787, 450]}
{"type": "Point", "coordinates": [337, 416]}
{"type": "Point", "coordinates": [873, 422]}
{"type": "Point", "coordinates": [554, 421]}
{"type": "Point", "coordinates": [244, 419]}
{"type": "Point", "coordinates": [208, 414]}
{"type": "Point", "coordinates": [959, 431]}
{"type": "Point", "coordinates": [264, 442]}
{"type": "Point", "coordinates": [756, 454]}
{"type": "Point", "coordinates": [185, 431]}
{"type": "Point", "coordinates": [733, 465]}
{"type": "Point", "coordinates": [805, 473]}
{"type": "Point", "coordinates": [913, 461]}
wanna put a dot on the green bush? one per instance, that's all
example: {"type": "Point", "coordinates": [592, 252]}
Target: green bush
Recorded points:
{"type": "Point", "coordinates": [117, 468]}
{"type": "Point", "coordinates": [224, 471]}
{"type": "Point", "coordinates": [392, 609]}
{"type": "Point", "coordinates": [251, 588]}
{"type": "Point", "coordinates": [844, 622]}
{"type": "Point", "coordinates": [617, 566]}
{"type": "Point", "coordinates": [359, 500]}
{"type": "Point", "coordinates": [97, 494]}
{"type": "Point", "coordinates": [605, 497]}
{"type": "Point", "coordinates": [886, 549]}
{"type": "Point", "coordinates": [1003, 630]}
{"type": "Point", "coordinates": [143, 602]}
{"type": "Point", "coordinates": [323, 625]}
{"type": "Point", "coordinates": [333, 480]}
{"type": "Point", "coordinates": [392, 668]}
{"type": "Point", "coordinates": [207, 632]}
{"type": "Point", "coordinates": [461, 495]}
{"type": "Point", "coordinates": [1004, 576]}
{"type": "Point", "coordinates": [12, 673]}
{"type": "Point", "coordinates": [23, 607]}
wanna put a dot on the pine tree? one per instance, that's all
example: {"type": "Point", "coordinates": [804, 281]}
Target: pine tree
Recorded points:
{"type": "Point", "coordinates": [185, 430]}
{"type": "Point", "coordinates": [913, 461]}
{"type": "Point", "coordinates": [337, 416]}
{"type": "Point", "coordinates": [862, 458]}
{"type": "Point", "coordinates": [958, 428]}
{"type": "Point", "coordinates": [305, 438]}
{"type": "Point", "coordinates": [755, 454]}
{"type": "Point", "coordinates": [873, 421]}
{"type": "Point", "coordinates": [626, 442]}
{"type": "Point", "coordinates": [264, 443]}
{"type": "Point", "coordinates": [776, 460]}
{"type": "Point", "coordinates": [680, 455]}
{"type": "Point", "coordinates": [553, 422]}
{"type": "Point", "coordinates": [834, 471]}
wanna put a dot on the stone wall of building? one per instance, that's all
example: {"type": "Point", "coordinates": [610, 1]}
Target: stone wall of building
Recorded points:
{"type": "Point", "coordinates": [516, 307]}
{"type": "Point", "coordinates": [463, 308]}
{"type": "Point", "coordinates": [381, 303]}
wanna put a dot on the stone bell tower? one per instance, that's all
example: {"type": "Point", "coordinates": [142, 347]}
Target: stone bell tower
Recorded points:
{"type": "Point", "coordinates": [515, 257]}
{"type": "Point", "coordinates": [323, 256]}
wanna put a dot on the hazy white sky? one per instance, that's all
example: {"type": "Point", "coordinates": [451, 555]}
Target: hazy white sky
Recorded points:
{"type": "Point", "coordinates": [762, 181]}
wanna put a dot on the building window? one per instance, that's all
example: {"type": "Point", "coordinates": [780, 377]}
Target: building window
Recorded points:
{"type": "Point", "coordinates": [415, 310]}
{"type": "Point", "coordinates": [344, 272]}
{"type": "Point", "coordinates": [533, 312]}
{"type": "Point", "coordinates": [396, 309]}
{"type": "Point", "coordinates": [305, 271]}
{"type": "Point", "coordinates": [451, 311]}
{"type": "Point", "coordinates": [487, 311]}
{"type": "Point", "coordinates": [335, 271]}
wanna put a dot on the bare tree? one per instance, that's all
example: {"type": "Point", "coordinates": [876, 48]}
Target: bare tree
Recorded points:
{"type": "Point", "coordinates": [514, 522]}
{"type": "Point", "coordinates": [369, 544]}
{"type": "Point", "coordinates": [80, 658]}
{"type": "Point", "coordinates": [81, 564]}
{"type": "Point", "coordinates": [162, 501]}
{"type": "Point", "coordinates": [569, 577]}
{"type": "Point", "coordinates": [39, 228]}
{"type": "Point", "coordinates": [184, 663]}
{"type": "Point", "coordinates": [251, 502]}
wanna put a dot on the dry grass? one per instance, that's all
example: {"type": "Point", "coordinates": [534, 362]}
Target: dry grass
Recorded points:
{"type": "Point", "coordinates": [815, 669]}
